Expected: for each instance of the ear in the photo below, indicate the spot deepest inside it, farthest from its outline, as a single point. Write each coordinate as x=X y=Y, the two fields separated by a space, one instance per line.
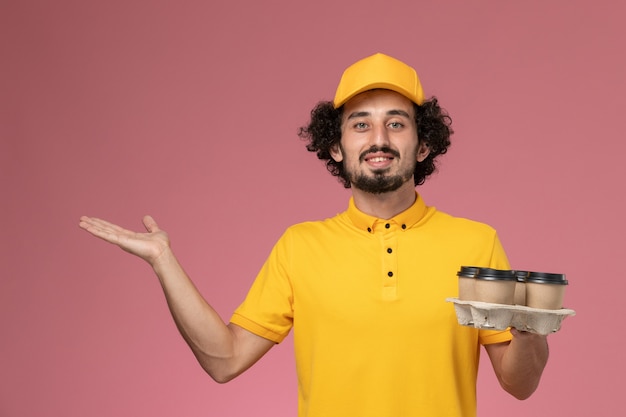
x=422 y=152
x=335 y=152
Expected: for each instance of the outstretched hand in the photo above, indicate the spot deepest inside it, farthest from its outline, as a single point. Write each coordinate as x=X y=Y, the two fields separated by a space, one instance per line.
x=148 y=246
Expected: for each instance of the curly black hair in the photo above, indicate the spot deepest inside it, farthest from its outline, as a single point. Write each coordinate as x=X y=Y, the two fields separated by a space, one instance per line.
x=324 y=131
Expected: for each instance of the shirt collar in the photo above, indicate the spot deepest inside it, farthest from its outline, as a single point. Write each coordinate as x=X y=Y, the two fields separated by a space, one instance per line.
x=406 y=220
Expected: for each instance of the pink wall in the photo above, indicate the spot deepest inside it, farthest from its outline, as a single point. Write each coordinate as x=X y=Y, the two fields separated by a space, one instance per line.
x=188 y=111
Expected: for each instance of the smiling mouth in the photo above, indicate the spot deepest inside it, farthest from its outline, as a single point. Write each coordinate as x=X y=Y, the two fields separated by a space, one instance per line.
x=378 y=159
x=378 y=155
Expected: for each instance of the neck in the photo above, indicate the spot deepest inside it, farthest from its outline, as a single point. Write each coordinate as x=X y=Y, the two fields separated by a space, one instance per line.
x=385 y=205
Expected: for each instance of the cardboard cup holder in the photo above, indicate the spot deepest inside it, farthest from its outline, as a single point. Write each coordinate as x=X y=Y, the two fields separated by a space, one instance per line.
x=502 y=316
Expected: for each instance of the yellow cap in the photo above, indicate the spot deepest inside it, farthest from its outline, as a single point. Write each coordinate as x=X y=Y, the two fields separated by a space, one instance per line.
x=379 y=71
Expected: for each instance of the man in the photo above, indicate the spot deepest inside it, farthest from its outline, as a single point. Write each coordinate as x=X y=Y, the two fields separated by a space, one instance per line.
x=365 y=290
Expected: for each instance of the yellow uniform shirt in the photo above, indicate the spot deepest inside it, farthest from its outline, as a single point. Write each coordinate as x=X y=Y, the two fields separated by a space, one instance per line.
x=373 y=333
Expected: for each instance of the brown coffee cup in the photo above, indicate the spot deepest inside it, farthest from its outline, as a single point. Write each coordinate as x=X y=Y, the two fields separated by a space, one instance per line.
x=545 y=290
x=466 y=282
x=519 y=298
x=495 y=286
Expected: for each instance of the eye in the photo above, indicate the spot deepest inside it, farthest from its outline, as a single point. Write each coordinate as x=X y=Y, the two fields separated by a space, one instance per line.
x=396 y=125
x=360 y=125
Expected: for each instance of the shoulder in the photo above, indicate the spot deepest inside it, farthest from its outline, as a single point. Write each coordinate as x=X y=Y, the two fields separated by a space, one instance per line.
x=444 y=221
x=321 y=224
x=457 y=233
x=325 y=229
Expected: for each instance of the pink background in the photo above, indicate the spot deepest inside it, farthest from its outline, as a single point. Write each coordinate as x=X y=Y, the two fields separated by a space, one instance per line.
x=189 y=111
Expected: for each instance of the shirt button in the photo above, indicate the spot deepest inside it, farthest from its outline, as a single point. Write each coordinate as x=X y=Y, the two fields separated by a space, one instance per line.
x=369 y=229
x=387 y=226
x=389 y=274
x=389 y=250
x=404 y=226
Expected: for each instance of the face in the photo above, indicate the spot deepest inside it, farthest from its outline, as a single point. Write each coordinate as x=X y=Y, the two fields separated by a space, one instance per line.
x=379 y=146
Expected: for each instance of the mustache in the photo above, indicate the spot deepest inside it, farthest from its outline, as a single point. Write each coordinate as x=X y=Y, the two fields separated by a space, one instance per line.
x=383 y=149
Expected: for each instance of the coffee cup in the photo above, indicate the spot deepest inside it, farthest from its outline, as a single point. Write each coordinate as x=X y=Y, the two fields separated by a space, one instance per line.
x=495 y=286
x=545 y=290
x=519 y=298
x=466 y=282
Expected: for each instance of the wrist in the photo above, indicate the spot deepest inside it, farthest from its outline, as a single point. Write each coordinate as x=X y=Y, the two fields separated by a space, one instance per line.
x=163 y=260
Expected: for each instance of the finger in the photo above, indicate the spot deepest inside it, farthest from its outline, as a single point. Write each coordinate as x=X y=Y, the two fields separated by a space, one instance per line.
x=525 y=335
x=105 y=230
x=89 y=223
x=150 y=224
x=99 y=224
x=84 y=220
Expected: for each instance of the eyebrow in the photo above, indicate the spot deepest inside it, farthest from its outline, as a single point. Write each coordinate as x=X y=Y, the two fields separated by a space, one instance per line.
x=389 y=113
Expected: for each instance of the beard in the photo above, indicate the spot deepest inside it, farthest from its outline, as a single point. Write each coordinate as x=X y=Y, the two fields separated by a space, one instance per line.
x=380 y=183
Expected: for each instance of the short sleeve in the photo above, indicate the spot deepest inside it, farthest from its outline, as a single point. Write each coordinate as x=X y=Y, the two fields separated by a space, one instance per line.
x=267 y=310
x=499 y=260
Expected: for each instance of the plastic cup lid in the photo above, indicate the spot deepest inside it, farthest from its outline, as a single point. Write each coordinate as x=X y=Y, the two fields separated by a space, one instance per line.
x=496 y=274
x=468 y=271
x=546 y=277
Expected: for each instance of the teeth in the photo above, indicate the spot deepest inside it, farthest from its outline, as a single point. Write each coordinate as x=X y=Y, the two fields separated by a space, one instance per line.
x=378 y=159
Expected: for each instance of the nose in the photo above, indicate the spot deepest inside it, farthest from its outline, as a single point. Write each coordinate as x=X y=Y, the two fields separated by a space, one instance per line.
x=380 y=135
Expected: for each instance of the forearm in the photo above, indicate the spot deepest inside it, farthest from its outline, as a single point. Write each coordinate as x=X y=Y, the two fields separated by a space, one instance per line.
x=223 y=351
x=522 y=364
x=210 y=339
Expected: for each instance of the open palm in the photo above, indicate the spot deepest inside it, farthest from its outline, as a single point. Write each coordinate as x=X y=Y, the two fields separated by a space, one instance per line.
x=148 y=246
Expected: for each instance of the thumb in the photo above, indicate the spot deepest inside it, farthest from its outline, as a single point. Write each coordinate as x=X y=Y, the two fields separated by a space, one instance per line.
x=150 y=224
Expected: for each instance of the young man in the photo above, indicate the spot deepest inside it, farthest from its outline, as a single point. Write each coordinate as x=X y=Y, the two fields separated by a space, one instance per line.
x=365 y=290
